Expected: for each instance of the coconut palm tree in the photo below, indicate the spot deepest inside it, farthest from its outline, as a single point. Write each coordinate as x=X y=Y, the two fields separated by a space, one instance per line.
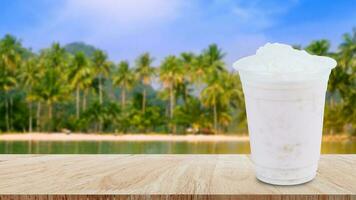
x=102 y=68
x=35 y=78
x=208 y=63
x=211 y=96
x=187 y=62
x=7 y=82
x=222 y=93
x=144 y=71
x=80 y=73
x=344 y=78
x=87 y=83
x=193 y=115
x=213 y=66
x=29 y=76
x=319 y=47
x=233 y=99
x=213 y=59
x=198 y=70
x=53 y=85
x=125 y=79
x=171 y=74
x=10 y=60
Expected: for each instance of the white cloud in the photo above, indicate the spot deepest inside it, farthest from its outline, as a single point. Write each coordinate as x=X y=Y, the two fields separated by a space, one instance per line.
x=103 y=21
x=260 y=14
x=126 y=28
x=125 y=14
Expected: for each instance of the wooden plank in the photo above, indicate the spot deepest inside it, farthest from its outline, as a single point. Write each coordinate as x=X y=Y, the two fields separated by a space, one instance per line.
x=162 y=177
x=177 y=197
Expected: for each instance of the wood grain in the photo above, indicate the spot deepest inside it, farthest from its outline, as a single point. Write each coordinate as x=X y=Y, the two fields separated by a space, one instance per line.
x=163 y=177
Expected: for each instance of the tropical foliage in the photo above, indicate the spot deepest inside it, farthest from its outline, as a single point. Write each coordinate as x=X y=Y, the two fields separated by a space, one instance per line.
x=76 y=87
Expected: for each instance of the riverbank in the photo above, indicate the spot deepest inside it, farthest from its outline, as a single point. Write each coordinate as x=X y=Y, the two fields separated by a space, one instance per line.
x=137 y=137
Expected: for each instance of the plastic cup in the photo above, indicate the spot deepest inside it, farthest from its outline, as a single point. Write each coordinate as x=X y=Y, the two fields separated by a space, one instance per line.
x=285 y=120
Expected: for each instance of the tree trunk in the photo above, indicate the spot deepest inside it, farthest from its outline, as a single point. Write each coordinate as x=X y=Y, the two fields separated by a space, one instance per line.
x=7 y=113
x=167 y=110
x=30 y=113
x=100 y=99
x=100 y=90
x=123 y=98
x=38 y=116
x=30 y=117
x=11 y=113
x=50 y=117
x=78 y=103
x=215 y=119
x=144 y=100
x=85 y=94
x=185 y=94
x=112 y=92
x=171 y=101
x=172 y=105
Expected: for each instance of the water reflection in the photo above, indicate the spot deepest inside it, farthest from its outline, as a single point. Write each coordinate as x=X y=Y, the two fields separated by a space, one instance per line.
x=105 y=147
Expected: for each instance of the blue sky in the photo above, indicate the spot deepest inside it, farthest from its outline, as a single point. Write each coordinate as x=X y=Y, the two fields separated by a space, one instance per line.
x=126 y=28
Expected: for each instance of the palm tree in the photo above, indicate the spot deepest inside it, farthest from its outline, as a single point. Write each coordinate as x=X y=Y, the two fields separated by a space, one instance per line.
x=124 y=78
x=198 y=70
x=171 y=74
x=7 y=82
x=79 y=75
x=102 y=69
x=319 y=47
x=30 y=73
x=222 y=93
x=35 y=97
x=187 y=62
x=34 y=71
x=193 y=115
x=213 y=59
x=10 y=58
x=205 y=64
x=52 y=85
x=211 y=95
x=144 y=71
x=87 y=83
x=233 y=99
x=344 y=77
x=96 y=115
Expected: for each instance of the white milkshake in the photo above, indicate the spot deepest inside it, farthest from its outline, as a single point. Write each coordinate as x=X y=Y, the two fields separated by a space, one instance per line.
x=284 y=93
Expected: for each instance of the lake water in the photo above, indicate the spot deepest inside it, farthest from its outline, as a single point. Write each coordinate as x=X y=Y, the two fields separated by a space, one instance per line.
x=105 y=147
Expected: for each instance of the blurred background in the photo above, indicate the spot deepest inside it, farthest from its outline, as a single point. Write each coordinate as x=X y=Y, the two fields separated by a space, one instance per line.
x=155 y=76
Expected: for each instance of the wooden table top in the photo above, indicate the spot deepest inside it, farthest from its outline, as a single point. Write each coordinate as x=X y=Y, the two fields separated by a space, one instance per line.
x=161 y=175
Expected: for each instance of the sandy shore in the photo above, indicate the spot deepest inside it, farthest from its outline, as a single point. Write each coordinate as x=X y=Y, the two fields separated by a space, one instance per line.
x=137 y=137
x=128 y=137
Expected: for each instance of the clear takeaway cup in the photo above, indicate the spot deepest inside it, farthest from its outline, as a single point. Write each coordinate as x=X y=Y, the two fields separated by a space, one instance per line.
x=285 y=119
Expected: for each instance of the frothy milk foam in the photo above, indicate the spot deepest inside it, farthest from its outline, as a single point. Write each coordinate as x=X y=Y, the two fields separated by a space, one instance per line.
x=284 y=92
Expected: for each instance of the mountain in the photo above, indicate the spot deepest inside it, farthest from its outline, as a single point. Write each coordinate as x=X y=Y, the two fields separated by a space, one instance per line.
x=80 y=46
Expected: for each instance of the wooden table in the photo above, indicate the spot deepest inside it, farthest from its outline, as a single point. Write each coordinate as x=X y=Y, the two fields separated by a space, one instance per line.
x=163 y=177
